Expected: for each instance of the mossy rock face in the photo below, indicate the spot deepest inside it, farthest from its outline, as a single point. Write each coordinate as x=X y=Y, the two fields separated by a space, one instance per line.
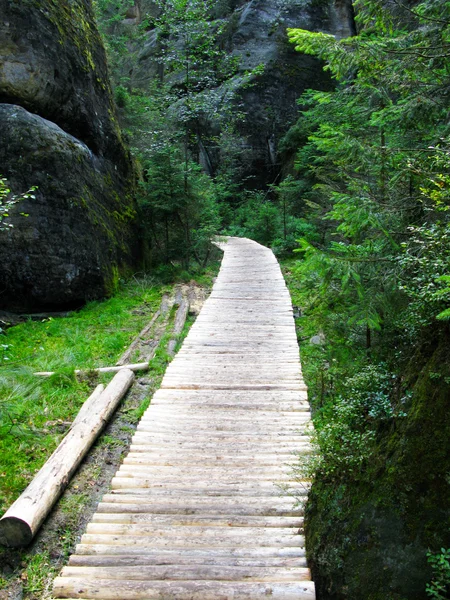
x=52 y=62
x=79 y=231
x=60 y=133
x=255 y=32
x=368 y=537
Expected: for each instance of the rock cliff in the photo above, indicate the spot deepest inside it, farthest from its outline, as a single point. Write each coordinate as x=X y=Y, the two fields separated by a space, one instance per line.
x=60 y=133
x=255 y=33
x=258 y=37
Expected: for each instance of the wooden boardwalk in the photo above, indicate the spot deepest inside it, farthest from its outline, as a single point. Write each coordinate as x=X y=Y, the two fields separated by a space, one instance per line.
x=202 y=507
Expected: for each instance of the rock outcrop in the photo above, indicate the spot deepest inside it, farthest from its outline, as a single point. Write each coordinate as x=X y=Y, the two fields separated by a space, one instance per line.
x=258 y=37
x=60 y=133
x=255 y=32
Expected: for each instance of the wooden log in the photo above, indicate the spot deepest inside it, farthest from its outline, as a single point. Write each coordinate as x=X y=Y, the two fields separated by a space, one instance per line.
x=211 y=505
x=115 y=589
x=88 y=405
x=135 y=343
x=185 y=534
x=223 y=540
x=200 y=519
x=206 y=552
x=197 y=459
x=266 y=472
x=86 y=560
x=180 y=319
x=166 y=489
x=191 y=572
x=136 y=367
x=22 y=520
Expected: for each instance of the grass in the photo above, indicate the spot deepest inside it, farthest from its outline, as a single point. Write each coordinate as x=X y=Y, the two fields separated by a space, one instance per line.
x=35 y=412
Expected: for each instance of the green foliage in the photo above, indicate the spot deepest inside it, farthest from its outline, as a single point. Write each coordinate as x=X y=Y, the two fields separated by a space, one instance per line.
x=37 y=574
x=182 y=113
x=8 y=199
x=376 y=163
x=180 y=208
x=372 y=176
x=346 y=428
x=439 y=587
x=167 y=118
x=425 y=260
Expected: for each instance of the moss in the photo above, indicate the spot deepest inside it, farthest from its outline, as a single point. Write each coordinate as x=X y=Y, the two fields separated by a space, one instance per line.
x=368 y=536
x=75 y=24
x=112 y=281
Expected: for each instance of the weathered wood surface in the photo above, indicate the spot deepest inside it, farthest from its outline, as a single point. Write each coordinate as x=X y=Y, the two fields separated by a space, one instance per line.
x=205 y=505
x=180 y=320
x=114 y=369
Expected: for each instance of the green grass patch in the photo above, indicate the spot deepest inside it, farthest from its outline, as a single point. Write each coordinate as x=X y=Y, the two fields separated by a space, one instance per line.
x=36 y=412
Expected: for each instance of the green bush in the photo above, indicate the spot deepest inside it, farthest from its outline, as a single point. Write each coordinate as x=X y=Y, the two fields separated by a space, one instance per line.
x=439 y=588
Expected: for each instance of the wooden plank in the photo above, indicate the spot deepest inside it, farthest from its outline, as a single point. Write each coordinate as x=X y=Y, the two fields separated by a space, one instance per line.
x=185 y=534
x=118 y=561
x=203 y=520
x=256 y=551
x=187 y=573
x=114 y=589
x=179 y=459
x=194 y=542
x=161 y=488
x=219 y=472
x=221 y=505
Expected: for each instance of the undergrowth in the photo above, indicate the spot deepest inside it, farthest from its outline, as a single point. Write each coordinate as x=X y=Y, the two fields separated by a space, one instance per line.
x=379 y=499
x=34 y=411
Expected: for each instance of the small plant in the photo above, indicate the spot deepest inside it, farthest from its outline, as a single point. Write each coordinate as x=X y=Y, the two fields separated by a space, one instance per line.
x=38 y=574
x=8 y=200
x=439 y=587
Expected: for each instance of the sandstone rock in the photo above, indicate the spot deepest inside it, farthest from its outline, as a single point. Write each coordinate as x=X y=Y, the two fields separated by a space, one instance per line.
x=318 y=340
x=52 y=62
x=77 y=235
x=270 y=104
x=60 y=132
x=255 y=31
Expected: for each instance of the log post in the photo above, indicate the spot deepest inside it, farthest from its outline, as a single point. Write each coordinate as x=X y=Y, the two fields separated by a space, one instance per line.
x=143 y=366
x=180 y=319
x=23 y=519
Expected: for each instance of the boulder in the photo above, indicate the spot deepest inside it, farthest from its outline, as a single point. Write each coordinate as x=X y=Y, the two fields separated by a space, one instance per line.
x=60 y=133
x=77 y=235
x=271 y=102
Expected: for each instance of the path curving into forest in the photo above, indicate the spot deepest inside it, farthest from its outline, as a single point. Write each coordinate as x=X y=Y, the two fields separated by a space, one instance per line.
x=203 y=506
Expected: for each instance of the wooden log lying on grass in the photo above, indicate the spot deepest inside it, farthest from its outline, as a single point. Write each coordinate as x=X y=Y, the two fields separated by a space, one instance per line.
x=136 y=367
x=180 y=320
x=135 y=343
x=88 y=406
x=139 y=339
x=22 y=520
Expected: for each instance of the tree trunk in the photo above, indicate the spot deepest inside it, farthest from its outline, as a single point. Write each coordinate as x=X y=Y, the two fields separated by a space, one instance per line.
x=21 y=522
x=180 y=319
